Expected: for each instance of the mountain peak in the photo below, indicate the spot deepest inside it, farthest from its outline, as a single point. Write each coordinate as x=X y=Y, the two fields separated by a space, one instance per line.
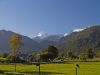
x=41 y=35
x=65 y=34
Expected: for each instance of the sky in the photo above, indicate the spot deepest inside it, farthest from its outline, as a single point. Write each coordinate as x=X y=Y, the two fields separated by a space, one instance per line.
x=29 y=17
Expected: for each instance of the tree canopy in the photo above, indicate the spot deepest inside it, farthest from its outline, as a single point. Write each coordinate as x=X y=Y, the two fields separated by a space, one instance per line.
x=49 y=54
x=15 y=43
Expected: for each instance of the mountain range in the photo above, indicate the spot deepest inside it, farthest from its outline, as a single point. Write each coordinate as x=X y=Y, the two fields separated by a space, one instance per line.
x=77 y=40
x=30 y=44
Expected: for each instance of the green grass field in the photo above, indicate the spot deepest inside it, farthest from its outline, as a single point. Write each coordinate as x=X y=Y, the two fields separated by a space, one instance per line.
x=86 y=68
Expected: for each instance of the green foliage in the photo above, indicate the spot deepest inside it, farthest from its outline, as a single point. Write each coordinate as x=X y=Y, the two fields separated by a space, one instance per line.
x=3 y=60
x=90 y=54
x=83 y=57
x=11 y=59
x=70 y=54
x=15 y=43
x=5 y=55
x=49 y=54
x=35 y=57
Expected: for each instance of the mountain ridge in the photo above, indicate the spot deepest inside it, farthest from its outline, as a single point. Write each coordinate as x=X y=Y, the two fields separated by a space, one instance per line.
x=87 y=38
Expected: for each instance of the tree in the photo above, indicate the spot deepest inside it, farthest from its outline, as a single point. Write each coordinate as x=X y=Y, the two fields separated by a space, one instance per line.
x=11 y=59
x=33 y=57
x=90 y=53
x=15 y=43
x=49 y=54
x=4 y=55
x=70 y=54
x=53 y=51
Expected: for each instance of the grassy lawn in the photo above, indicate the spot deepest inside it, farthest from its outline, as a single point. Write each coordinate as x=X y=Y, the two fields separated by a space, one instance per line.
x=86 y=68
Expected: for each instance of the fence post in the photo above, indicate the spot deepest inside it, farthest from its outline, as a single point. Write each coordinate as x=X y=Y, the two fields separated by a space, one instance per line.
x=39 y=69
x=77 y=66
x=76 y=70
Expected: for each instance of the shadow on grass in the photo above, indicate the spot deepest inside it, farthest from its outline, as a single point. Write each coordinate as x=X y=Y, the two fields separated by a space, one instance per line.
x=5 y=72
x=43 y=73
x=12 y=74
x=2 y=71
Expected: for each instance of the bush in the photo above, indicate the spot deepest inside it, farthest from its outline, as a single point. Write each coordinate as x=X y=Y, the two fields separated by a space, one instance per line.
x=13 y=59
x=3 y=60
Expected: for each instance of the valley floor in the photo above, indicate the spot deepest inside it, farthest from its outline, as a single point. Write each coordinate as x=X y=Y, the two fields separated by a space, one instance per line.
x=86 y=68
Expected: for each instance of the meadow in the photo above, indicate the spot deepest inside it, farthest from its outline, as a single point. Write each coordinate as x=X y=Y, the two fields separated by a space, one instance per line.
x=86 y=68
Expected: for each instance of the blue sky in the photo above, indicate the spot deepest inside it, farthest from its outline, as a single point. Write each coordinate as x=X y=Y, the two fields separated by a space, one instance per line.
x=29 y=17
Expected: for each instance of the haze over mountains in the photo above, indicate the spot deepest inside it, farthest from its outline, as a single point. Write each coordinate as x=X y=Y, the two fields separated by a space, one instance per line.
x=78 y=39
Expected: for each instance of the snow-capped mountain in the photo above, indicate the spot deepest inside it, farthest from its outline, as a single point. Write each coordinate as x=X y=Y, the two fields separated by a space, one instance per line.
x=41 y=35
x=78 y=30
x=66 y=34
x=44 y=36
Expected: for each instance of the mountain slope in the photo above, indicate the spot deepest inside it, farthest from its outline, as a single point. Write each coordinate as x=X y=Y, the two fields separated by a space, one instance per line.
x=87 y=38
x=29 y=44
x=48 y=40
